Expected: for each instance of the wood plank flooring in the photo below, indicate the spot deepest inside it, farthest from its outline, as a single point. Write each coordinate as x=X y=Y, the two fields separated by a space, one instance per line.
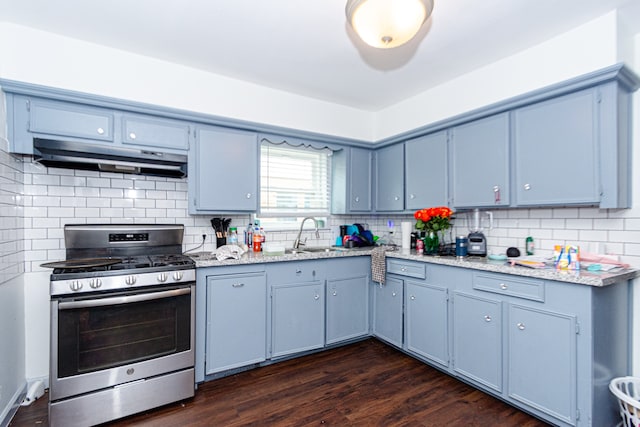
x=363 y=384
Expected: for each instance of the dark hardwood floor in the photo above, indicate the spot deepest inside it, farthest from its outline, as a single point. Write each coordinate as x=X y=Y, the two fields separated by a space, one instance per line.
x=363 y=384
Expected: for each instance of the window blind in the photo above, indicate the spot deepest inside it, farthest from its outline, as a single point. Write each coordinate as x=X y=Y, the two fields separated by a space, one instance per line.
x=294 y=181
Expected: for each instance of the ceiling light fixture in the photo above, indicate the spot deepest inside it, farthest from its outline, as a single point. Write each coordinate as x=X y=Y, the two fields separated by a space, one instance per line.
x=387 y=23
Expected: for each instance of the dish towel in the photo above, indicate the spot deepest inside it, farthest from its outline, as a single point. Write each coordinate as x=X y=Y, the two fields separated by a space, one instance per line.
x=378 y=264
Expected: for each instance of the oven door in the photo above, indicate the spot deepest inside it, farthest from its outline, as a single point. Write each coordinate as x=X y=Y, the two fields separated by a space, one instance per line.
x=115 y=338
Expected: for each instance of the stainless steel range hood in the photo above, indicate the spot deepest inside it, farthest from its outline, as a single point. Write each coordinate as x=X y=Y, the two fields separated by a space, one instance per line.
x=79 y=155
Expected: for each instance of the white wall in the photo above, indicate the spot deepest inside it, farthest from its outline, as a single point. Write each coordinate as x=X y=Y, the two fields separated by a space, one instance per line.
x=12 y=328
x=48 y=59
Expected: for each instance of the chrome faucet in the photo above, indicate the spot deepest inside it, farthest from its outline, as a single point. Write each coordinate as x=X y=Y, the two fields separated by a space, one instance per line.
x=297 y=242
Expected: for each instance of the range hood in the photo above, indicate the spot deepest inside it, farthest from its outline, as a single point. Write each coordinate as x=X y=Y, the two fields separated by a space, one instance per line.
x=79 y=155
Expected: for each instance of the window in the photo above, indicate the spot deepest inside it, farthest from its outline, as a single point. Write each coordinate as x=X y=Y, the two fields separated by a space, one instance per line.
x=294 y=183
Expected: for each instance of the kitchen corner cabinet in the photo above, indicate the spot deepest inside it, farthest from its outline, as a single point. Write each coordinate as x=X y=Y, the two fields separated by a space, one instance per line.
x=389 y=167
x=427 y=171
x=223 y=171
x=297 y=291
x=236 y=321
x=480 y=162
x=347 y=298
x=577 y=139
x=351 y=190
x=477 y=339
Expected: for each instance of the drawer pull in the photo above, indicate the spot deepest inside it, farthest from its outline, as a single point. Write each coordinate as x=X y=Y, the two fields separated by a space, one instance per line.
x=487 y=318
x=393 y=294
x=403 y=269
x=132 y=135
x=237 y=285
x=503 y=286
x=100 y=131
x=520 y=326
x=298 y=271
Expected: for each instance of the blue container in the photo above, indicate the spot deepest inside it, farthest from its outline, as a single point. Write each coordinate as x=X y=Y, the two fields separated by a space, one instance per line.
x=461 y=246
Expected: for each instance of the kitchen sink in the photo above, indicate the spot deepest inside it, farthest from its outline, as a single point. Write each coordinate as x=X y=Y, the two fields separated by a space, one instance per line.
x=311 y=250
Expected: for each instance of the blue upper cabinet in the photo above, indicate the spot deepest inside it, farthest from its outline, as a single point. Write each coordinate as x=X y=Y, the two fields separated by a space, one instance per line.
x=426 y=171
x=390 y=178
x=32 y=117
x=351 y=188
x=67 y=119
x=480 y=162
x=223 y=171
x=555 y=145
x=155 y=132
x=572 y=150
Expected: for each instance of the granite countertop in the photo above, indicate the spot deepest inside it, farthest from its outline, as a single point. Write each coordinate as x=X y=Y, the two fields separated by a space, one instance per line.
x=599 y=278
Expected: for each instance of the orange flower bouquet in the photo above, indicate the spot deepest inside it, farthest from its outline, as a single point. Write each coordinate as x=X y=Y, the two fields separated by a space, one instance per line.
x=435 y=219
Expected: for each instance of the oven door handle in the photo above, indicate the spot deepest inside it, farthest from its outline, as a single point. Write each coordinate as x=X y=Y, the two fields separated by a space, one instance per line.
x=68 y=305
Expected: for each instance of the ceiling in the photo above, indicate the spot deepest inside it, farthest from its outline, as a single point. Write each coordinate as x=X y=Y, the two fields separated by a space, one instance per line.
x=307 y=47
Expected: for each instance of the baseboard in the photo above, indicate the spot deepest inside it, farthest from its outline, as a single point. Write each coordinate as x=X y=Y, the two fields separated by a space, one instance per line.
x=7 y=414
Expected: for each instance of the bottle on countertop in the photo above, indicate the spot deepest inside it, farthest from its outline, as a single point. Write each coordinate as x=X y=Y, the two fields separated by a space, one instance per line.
x=233 y=236
x=248 y=236
x=529 y=247
x=257 y=240
x=263 y=236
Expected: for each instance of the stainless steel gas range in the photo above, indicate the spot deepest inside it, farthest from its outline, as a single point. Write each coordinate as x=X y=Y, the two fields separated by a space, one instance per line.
x=122 y=323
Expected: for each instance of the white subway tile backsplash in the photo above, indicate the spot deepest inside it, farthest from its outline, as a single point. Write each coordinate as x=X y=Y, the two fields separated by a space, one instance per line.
x=76 y=202
x=565 y=236
x=144 y=203
x=111 y=192
x=97 y=182
x=566 y=213
x=87 y=192
x=579 y=224
x=112 y=213
x=97 y=202
x=609 y=224
x=84 y=213
x=122 y=183
x=121 y=203
x=61 y=191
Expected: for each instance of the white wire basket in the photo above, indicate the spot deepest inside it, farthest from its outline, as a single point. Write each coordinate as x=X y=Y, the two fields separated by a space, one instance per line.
x=627 y=390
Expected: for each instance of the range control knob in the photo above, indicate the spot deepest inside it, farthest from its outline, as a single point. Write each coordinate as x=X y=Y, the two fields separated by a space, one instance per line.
x=177 y=276
x=130 y=280
x=95 y=283
x=75 y=285
x=162 y=277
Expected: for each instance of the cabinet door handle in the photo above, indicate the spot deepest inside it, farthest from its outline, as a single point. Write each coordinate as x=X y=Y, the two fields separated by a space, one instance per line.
x=487 y=318
x=396 y=198
x=237 y=285
x=100 y=131
x=503 y=286
x=393 y=294
x=248 y=195
x=316 y=297
x=412 y=196
x=298 y=271
x=496 y=194
x=520 y=326
x=357 y=199
x=413 y=297
x=527 y=187
x=403 y=269
x=132 y=135
x=335 y=293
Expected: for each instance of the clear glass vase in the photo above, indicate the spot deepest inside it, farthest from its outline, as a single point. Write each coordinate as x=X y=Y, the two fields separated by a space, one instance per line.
x=431 y=243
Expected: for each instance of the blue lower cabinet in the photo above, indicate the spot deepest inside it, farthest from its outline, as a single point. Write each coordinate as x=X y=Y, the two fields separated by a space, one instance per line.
x=297 y=318
x=236 y=321
x=347 y=308
x=477 y=339
x=543 y=361
x=426 y=321
x=387 y=311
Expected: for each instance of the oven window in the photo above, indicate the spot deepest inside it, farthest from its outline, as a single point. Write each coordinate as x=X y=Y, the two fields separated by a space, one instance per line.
x=96 y=338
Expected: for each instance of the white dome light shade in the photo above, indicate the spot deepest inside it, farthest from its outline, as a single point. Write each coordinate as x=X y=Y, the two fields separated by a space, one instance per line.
x=387 y=23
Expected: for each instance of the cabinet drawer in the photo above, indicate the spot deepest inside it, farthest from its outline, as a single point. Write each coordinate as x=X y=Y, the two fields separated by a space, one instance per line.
x=510 y=285
x=57 y=118
x=154 y=132
x=407 y=268
x=294 y=272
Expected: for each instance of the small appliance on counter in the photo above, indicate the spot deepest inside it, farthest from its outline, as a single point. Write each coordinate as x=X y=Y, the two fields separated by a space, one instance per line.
x=477 y=221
